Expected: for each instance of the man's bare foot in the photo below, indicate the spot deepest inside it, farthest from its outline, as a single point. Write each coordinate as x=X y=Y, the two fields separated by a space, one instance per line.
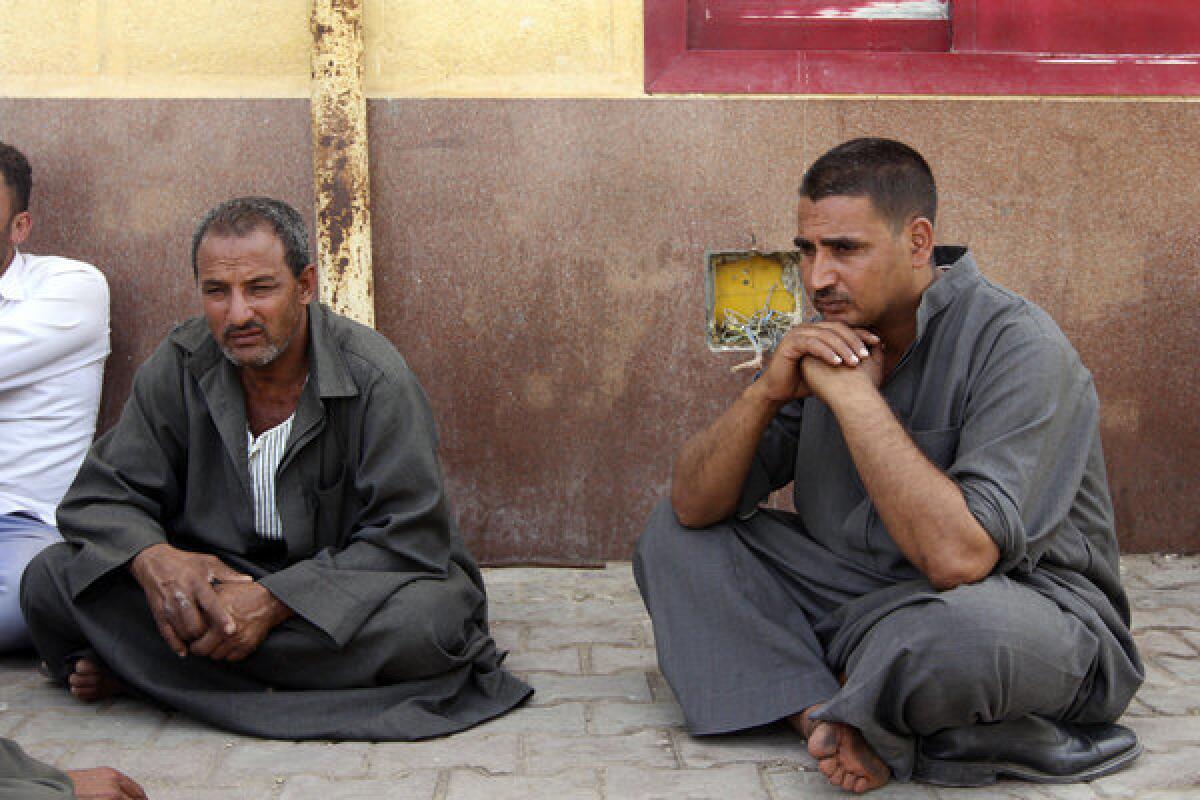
x=845 y=758
x=91 y=681
x=842 y=754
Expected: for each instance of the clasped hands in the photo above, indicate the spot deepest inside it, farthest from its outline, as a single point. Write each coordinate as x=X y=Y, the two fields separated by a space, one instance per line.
x=821 y=359
x=203 y=606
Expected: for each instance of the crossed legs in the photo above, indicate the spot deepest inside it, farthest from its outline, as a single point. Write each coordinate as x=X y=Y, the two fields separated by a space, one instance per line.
x=747 y=637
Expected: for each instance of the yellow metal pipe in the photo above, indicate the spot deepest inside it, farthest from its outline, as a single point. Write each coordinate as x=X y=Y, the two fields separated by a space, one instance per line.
x=343 y=189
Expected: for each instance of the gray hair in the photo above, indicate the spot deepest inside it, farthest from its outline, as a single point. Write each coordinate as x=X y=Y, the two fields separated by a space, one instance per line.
x=243 y=215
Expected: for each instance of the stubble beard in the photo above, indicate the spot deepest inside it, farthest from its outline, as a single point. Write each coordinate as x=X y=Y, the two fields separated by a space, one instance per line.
x=269 y=352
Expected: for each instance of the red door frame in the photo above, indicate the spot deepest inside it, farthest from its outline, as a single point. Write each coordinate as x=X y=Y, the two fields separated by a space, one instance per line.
x=671 y=66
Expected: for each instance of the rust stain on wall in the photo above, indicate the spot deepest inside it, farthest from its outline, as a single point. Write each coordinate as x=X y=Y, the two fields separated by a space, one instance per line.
x=566 y=356
x=541 y=267
x=340 y=163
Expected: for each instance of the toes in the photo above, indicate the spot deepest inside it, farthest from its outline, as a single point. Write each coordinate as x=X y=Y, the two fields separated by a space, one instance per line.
x=850 y=781
x=862 y=760
x=90 y=681
x=84 y=692
x=861 y=785
x=822 y=740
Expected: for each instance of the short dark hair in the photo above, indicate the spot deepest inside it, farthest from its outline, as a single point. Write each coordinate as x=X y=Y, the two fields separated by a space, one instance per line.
x=17 y=174
x=895 y=176
x=243 y=215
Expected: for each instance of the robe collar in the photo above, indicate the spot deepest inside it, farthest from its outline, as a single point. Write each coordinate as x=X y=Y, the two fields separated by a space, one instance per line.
x=328 y=372
x=956 y=271
x=329 y=378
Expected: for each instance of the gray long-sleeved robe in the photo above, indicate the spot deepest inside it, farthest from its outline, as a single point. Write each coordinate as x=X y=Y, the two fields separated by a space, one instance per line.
x=757 y=617
x=390 y=640
x=25 y=778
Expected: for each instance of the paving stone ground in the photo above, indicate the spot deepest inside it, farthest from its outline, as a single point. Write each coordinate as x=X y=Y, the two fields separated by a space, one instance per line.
x=602 y=726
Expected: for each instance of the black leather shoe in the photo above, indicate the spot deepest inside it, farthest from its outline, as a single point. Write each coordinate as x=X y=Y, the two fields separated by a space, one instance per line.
x=1029 y=749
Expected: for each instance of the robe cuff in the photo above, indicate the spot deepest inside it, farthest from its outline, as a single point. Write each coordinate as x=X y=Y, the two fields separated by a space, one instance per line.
x=323 y=603
x=94 y=561
x=756 y=488
x=1004 y=528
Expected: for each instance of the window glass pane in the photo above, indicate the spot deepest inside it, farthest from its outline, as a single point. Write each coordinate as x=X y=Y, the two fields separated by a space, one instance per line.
x=882 y=25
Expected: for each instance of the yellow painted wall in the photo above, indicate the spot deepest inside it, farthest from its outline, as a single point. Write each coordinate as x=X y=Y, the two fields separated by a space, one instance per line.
x=239 y=48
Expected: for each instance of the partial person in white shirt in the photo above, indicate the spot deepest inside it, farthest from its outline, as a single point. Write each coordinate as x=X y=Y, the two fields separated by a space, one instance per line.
x=53 y=344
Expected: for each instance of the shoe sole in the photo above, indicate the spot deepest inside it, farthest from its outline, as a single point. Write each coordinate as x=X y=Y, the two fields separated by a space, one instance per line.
x=968 y=773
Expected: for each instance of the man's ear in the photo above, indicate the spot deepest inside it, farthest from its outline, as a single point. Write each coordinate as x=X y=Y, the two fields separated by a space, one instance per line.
x=920 y=241
x=19 y=230
x=308 y=283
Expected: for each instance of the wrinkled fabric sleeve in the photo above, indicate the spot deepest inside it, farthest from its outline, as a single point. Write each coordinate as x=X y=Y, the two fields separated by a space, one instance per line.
x=65 y=319
x=774 y=464
x=1028 y=430
x=26 y=778
x=403 y=533
x=130 y=478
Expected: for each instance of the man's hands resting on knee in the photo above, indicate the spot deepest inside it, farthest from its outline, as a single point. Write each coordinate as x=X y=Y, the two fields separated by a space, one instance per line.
x=202 y=605
x=254 y=610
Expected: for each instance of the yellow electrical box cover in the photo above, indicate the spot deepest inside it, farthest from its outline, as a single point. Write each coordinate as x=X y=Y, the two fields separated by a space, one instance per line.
x=750 y=285
x=746 y=286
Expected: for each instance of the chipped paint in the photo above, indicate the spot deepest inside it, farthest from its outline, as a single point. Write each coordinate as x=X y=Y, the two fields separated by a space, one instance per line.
x=1117 y=59
x=874 y=9
x=903 y=9
x=340 y=169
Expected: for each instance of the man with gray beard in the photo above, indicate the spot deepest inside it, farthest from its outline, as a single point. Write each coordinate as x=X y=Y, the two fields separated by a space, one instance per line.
x=263 y=540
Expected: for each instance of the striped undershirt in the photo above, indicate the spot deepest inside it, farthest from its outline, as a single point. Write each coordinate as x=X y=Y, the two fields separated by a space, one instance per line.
x=264 y=454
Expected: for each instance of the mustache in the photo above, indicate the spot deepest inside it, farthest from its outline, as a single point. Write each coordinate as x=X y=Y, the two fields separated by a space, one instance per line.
x=830 y=295
x=249 y=327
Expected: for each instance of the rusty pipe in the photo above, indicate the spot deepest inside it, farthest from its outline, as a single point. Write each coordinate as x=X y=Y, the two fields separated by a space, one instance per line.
x=340 y=164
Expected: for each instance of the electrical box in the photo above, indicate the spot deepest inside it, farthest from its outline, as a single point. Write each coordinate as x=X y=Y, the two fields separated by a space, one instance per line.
x=752 y=298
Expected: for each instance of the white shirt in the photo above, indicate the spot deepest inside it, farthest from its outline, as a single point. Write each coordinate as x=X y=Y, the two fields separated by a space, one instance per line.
x=53 y=344
x=263 y=455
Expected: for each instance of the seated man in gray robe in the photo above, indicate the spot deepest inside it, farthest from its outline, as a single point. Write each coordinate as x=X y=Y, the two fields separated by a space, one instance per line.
x=945 y=601
x=263 y=540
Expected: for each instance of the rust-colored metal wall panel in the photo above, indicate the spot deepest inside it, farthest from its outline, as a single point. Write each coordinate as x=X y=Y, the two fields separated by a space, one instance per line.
x=122 y=184
x=540 y=263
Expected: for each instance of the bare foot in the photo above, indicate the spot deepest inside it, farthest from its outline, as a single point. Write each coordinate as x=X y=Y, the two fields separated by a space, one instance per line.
x=91 y=681
x=842 y=754
x=845 y=758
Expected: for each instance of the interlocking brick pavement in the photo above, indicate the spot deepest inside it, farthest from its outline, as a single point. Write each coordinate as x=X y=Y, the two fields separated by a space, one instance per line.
x=603 y=725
